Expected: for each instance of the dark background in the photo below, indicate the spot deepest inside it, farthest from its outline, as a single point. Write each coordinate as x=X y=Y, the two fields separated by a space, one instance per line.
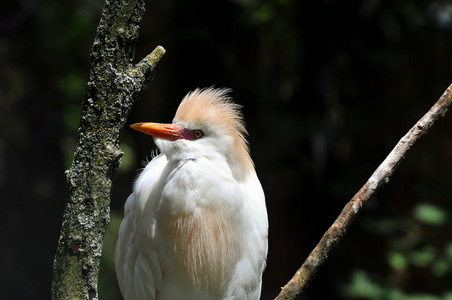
x=328 y=88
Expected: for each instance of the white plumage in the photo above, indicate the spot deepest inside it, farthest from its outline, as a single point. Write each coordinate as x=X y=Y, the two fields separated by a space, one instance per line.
x=195 y=226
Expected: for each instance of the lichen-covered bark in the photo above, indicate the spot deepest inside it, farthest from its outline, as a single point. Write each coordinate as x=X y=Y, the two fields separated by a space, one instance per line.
x=114 y=84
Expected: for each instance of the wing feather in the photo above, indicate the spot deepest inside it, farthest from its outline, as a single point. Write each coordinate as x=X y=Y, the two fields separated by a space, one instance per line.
x=137 y=266
x=247 y=277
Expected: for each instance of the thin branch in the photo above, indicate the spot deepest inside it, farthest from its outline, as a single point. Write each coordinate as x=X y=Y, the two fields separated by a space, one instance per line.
x=304 y=276
x=143 y=71
x=147 y=64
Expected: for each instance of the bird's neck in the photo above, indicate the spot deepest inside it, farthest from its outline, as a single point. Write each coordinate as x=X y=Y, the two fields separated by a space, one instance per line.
x=240 y=160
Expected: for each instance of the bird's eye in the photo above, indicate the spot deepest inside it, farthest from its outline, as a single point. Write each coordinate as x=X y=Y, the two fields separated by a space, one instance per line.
x=197 y=134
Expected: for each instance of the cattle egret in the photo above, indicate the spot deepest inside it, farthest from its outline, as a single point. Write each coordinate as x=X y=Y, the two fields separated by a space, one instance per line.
x=195 y=226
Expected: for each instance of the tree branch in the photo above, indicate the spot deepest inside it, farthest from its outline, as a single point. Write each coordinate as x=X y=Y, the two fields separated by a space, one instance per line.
x=317 y=258
x=114 y=85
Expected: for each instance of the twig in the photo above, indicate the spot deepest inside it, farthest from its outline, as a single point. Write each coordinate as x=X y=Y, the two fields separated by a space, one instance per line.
x=304 y=276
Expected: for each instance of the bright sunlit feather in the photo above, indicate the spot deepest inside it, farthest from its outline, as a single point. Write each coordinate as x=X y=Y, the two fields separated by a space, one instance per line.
x=195 y=226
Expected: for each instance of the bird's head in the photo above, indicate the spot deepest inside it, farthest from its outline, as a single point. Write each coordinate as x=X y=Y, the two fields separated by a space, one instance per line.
x=207 y=124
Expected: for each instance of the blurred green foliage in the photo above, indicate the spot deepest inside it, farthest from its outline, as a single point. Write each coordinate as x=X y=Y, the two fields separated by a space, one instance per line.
x=363 y=287
x=430 y=214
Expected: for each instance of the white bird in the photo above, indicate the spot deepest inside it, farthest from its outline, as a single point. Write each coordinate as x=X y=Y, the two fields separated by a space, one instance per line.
x=195 y=226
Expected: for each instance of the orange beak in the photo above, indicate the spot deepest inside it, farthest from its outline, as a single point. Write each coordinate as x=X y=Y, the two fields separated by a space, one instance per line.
x=169 y=132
